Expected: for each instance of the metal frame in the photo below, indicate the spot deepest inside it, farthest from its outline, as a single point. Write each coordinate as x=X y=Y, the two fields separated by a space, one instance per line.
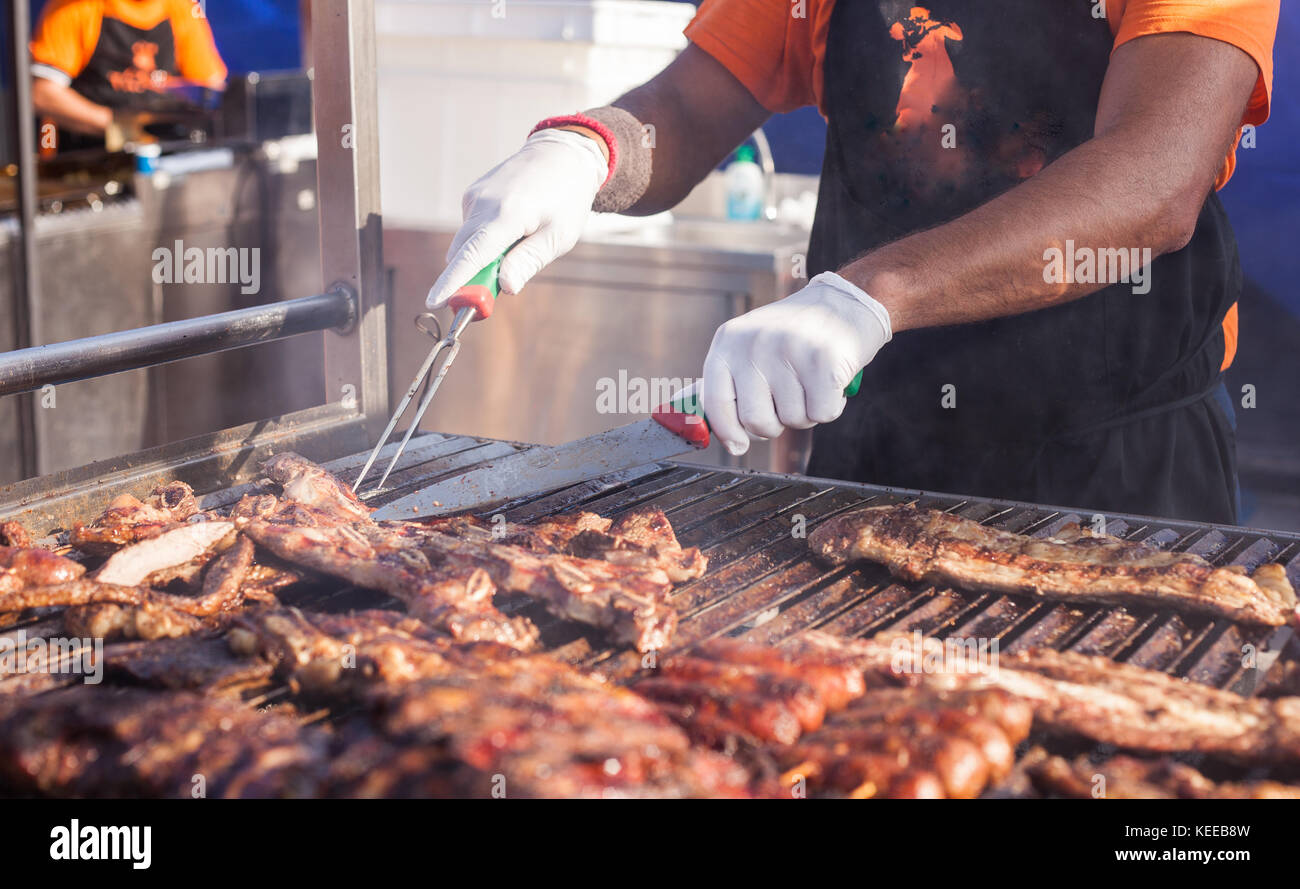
x=352 y=311
x=28 y=284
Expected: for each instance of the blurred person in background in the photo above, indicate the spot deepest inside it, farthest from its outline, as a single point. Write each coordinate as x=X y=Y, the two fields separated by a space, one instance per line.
x=983 y=162
x=102 y=68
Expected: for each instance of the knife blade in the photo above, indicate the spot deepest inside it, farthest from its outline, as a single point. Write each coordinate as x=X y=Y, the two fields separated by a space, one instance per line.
x=674 y=429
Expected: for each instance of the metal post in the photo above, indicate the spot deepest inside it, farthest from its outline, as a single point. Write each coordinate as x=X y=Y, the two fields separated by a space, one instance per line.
x=27 y=283
x=345 y=104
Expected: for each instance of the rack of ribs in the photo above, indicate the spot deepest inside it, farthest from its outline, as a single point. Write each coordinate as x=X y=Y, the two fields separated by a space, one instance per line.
x=1090 y=696
x=1127 y=777
x=1075 y=565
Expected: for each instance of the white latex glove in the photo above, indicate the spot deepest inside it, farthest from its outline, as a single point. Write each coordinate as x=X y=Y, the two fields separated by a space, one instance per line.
x=542 y=194
x=785 y=365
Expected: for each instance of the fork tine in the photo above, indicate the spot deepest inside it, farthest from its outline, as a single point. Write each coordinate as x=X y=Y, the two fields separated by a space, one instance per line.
x=420 y=410
x=401 y=409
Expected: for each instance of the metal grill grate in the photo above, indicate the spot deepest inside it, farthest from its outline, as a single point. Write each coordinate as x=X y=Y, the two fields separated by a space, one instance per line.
x=763 y=583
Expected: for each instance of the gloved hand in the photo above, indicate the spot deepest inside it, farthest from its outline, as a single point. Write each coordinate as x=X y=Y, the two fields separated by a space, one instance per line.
x=542 y=194
x=786 y=364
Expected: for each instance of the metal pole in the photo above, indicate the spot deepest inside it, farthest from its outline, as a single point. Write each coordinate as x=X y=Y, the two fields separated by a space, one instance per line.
x=27 y=282
x=26 y=370
x=345 y=105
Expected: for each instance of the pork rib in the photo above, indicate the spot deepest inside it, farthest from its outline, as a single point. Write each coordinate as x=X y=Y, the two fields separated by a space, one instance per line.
x=1092 y=697
x=127 y=519
x=925 y=544
x=1127 y=777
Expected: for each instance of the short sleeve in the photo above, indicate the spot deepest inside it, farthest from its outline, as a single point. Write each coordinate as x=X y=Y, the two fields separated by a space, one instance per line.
x=1249 y=25
x=768 y=46
x=197 y=58
x=63 y=39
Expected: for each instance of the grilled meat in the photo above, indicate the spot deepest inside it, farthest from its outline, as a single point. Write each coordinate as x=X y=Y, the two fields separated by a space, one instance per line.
x=1094 y=697
x=342 y=655
x=533 y=726
x=373 y=556
x=728 y=691
x=177 y=554
x=199 y=663
x=629 y=603
x=642 y=538
x=15 y=535
x=306 y=483
x=910 y=742
x=923 y=544
x=87 y=740
x=223 y=582
x=1127 y=777
x=22 y=567
x=127 y=519
x=145 y=620
x=836 y=684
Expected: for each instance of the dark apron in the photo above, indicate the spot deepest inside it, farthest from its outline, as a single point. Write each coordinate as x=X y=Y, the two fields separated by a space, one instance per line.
x=1107 y=402
x=126 y=69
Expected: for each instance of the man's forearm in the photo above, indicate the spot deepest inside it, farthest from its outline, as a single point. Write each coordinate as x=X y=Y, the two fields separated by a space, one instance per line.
x=990 y=262
x=68 y=108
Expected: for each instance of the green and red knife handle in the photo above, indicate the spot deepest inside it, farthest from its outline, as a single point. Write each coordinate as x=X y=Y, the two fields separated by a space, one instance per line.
x=684 y=416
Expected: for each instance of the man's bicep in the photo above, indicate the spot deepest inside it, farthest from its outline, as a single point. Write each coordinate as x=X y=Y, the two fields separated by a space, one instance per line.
x=699 y=111
x=1178 y=92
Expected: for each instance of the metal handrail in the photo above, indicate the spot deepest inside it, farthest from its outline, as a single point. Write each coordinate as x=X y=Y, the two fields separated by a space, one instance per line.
x=27 y=370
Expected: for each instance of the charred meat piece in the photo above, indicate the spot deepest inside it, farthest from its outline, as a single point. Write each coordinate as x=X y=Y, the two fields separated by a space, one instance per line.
x=145 y=620
x=836 y=683
x=92 y=741
x=176 y=554
x=199 y=663
x=550 y=535
x=311 y=485
x=1094 y=697
x=22 y=567
x=924 y=544
x=800 y=698
x=1127 y=777
x=223 y=582
x=127 y=520
x=374 y=556
x=342 y=654
x=765 y=717
x=549 y=731
x=15 y=535
x=641 y=538
x=629 y=603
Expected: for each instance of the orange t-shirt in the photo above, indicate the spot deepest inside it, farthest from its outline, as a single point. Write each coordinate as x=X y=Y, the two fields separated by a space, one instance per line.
x=69 y=30
x=779 y=54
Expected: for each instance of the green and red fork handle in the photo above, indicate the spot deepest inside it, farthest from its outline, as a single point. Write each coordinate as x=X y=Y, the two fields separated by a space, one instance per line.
x=472 y=302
